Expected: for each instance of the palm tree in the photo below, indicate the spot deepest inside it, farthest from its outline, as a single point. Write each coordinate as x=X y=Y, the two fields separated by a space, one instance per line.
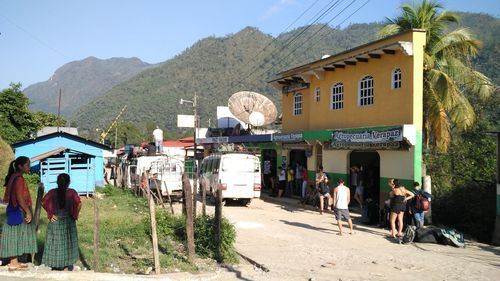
x=448 y=72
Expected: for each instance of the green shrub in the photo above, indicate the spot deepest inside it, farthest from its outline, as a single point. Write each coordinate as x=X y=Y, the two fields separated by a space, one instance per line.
x=468 y=208
x=173 y=226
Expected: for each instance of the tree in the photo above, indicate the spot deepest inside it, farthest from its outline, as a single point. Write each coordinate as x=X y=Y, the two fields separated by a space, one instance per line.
x=448 y=72
x=45 y=119
x=128 y=133
x=18 y=123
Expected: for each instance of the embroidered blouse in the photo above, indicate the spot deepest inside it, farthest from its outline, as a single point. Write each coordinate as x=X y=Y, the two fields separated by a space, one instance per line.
x=72 y=206
x=17 y=182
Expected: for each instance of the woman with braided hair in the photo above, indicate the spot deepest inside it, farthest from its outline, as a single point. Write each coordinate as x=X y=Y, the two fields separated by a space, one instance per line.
x=18 y=232
x=63 y=207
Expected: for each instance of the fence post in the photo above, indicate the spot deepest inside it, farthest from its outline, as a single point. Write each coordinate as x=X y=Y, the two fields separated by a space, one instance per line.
x=186 y=186
x=217 y=224
x=203 y=198
x=152 y=214
x=96 y=234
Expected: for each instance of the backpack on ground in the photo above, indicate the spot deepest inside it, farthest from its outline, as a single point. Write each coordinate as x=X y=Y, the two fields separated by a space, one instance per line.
x=408 y=234
x=422 y=203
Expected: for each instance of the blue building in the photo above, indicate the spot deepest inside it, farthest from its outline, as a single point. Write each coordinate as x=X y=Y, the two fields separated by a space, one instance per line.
x=61 y=152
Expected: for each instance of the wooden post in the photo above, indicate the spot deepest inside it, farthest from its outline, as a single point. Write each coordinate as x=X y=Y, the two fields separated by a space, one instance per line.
x=203 y=198
x=152 y=214
x=186 y=186
x=96 y=235
x=158 y=190
x=217 y=223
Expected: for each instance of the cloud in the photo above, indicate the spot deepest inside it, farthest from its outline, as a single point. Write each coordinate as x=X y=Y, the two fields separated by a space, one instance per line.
x=276 y=8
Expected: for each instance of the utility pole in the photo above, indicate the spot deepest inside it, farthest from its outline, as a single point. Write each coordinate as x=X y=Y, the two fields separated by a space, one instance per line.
x=59 y=109
x=195 y=161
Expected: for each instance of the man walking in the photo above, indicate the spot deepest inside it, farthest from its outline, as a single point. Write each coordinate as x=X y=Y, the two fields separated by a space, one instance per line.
x=341 y=199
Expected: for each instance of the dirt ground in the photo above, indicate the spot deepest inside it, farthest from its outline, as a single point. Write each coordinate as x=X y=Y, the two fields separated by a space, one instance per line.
x=283 y=241
x=298 y=244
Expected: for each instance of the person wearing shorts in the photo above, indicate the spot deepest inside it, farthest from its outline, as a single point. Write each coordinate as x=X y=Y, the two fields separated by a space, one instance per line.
x=341 y=198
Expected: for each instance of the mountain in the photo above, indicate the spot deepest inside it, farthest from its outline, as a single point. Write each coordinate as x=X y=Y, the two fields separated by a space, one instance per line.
x=81 y=82
x=215 y=68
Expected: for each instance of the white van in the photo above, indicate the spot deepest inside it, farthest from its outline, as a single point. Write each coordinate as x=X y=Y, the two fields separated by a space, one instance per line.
x=236 y=174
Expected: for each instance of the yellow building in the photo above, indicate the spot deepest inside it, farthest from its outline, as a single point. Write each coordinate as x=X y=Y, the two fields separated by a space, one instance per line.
x=361 y=107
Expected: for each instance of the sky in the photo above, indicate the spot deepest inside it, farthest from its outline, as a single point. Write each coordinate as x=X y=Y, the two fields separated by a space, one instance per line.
x=39 y=36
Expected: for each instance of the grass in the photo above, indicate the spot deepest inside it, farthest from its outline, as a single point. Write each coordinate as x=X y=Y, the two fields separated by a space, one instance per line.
x=125 y=245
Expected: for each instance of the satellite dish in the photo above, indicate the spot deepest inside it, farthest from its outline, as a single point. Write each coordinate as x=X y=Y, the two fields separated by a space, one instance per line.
x=252 y=108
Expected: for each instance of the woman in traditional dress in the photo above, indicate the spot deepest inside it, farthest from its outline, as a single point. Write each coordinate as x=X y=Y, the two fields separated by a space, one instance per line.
x=18 y=232
x=61 y=243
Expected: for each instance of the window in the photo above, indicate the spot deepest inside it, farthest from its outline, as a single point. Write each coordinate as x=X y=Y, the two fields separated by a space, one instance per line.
x=396 y=78
x=317 y=94
x=297 y=104
x=366 y=91
x=337 y=98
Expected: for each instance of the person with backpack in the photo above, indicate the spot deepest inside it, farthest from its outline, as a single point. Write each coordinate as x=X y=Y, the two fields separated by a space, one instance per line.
x=18 y=233
x=420 y=205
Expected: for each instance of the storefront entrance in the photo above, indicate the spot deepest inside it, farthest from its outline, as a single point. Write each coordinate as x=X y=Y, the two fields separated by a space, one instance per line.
x=367 y=166
x=297 y=156
x=269 y=167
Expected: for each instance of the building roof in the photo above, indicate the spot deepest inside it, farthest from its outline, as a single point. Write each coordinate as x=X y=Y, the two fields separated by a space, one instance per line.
x=176 y=144
x=50 y=130
x=53 y=152
x=340 y=60
x=61 y=134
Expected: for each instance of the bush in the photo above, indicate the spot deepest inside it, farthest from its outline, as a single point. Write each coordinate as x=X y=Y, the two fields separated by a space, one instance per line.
x=169 y=225
x=468 y=208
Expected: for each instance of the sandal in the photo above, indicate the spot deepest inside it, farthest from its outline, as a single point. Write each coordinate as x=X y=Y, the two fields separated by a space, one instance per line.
x=16 y=268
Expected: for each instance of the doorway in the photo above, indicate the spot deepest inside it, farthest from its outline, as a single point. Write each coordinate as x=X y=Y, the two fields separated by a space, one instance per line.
x=297 y=156
x=368 y=164
x=269 y=167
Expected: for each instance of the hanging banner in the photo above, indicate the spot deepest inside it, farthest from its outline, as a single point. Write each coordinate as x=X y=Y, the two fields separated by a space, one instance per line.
x=368 y=136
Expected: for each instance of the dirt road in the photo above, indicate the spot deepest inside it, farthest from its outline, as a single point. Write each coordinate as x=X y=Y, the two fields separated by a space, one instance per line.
x=298 y=244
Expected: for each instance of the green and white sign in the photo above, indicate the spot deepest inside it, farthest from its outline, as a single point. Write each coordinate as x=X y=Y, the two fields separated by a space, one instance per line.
x=367 y=136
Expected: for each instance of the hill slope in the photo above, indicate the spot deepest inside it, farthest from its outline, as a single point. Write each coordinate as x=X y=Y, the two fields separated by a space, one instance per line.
x=215 y=68
x=81 y=82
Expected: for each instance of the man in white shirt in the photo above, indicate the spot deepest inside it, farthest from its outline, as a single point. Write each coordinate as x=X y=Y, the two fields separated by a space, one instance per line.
x=158 y=138
x=341 y=199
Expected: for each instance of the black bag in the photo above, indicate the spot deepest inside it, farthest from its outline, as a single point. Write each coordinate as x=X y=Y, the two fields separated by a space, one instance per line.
x=408 y=234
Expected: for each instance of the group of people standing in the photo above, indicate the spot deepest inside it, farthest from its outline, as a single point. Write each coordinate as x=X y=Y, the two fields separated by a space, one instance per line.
x=19 y=230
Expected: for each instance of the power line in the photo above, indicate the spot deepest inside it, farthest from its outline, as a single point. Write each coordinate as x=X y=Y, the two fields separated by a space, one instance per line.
x=317 y=17
x=35 y=37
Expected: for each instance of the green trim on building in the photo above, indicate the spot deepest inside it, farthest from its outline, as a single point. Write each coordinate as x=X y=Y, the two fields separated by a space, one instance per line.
x=311 y=175
x=498 y=203
x=384 y=184
x=323 y=135
x=333 y=177
x=417 y=159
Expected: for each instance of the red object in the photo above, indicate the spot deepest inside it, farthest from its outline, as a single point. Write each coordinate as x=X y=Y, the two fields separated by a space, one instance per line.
x=256 y=187
x=305 y=175
x=20 y=187
x=223 y=186
x=49 y=203
x=422 y=202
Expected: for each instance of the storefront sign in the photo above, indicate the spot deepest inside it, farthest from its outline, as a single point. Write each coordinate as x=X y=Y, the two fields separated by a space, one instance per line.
x=293 y=137
x=370 y=136
x=296 y=146
x=213 y=140
x=394 y=145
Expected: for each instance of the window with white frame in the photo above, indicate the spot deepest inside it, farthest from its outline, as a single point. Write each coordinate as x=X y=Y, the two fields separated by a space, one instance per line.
x=396 y=78
x=366 y=91
x=297 y=104
x=337 y=97
x=317 y=94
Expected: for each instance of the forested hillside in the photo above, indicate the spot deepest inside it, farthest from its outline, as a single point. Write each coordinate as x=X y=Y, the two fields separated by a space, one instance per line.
x=81 y=82
x=215 y=68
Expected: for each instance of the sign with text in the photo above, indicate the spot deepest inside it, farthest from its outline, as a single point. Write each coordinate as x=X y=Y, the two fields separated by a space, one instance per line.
x=292 y=137
x=367 y=136
x=213 y=140
x=185 y=121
